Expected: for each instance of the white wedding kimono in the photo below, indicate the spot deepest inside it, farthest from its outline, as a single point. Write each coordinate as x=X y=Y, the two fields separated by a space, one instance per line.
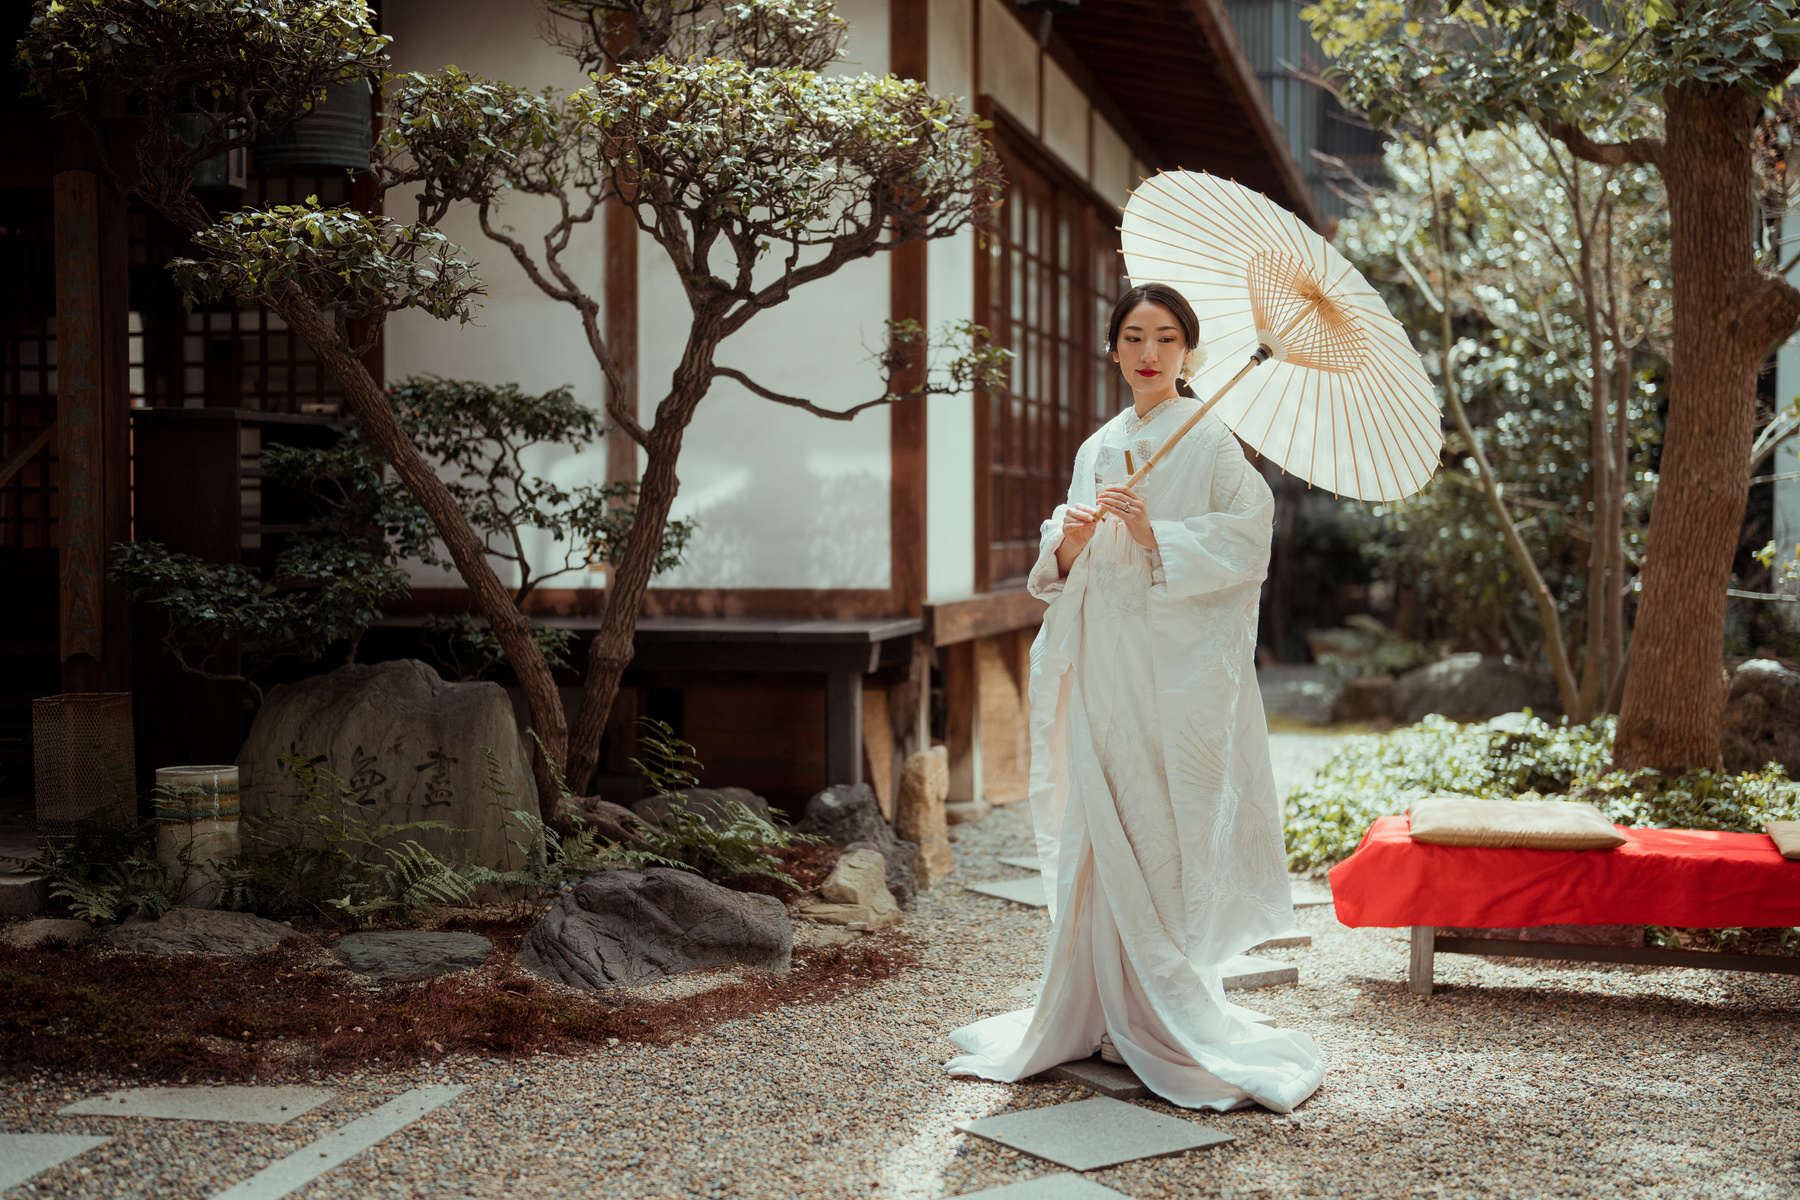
x=1157 y=823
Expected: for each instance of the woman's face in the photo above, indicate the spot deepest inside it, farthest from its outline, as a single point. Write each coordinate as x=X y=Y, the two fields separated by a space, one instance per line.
x=1149 y=350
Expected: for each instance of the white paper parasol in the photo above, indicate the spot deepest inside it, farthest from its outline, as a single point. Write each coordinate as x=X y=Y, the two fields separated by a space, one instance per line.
x=1342 y=401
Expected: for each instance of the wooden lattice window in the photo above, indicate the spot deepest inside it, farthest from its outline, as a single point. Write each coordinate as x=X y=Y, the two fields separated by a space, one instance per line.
x=222 y=356
x=27 y=366
x=1048 y=283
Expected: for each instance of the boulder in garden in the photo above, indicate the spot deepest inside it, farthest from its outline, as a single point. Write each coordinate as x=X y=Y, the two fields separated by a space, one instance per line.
x=856 y=893
x=919 y=815
x=407 y=745
x=1762 y=718
x=1471 y=687
x=610 y=822
x=845 y=814
x=629 y=928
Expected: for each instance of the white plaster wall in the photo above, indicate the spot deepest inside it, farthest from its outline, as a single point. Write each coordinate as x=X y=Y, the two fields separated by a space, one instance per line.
x=950 y=296
x=1065 y=119
x=1112 y=163
x=519 y=335
x=1009 y=63
x=784 y=499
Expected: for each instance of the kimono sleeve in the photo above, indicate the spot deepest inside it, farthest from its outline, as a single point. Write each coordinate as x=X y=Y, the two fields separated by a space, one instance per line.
x=1045 y=581
x=1224 y=547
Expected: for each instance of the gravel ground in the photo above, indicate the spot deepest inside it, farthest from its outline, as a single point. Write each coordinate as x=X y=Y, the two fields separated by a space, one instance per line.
x=1517 y=1079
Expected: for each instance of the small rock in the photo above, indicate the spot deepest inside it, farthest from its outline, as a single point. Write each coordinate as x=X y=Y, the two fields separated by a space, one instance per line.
x=27 y=934
x=627 y=928
x=1471 y=687
x=966 y=812
x=201 y=931
x=847 y=815
x=856 y=893
x=1367 y=698
x=919 y=816
x=819 y=936
x=411 y=953
x=1762 y=718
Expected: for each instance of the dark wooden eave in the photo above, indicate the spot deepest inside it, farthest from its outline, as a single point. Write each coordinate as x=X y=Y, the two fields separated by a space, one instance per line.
x=1176 y=72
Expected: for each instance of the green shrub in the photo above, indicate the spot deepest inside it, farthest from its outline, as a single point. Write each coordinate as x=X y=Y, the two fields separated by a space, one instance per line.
x=1380 y=775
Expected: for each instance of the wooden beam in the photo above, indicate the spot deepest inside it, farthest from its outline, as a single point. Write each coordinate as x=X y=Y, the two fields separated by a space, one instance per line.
x=909 y=38
x=962 y=720
x=984 y=616
x=81 y=419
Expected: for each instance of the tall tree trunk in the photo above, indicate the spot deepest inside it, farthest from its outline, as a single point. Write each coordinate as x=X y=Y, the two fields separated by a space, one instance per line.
x=1599 y=473
x=1727 y=315
x=611 y=650
x=492 y=599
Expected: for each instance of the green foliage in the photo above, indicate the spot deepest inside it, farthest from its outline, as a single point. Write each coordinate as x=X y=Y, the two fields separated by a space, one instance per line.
x=467 y=648
x=483 y=436
x=324 y=857
x=352 y=265
x=1522 y=366
x=1366 y=647
x=1381 y=775
x=733 y=848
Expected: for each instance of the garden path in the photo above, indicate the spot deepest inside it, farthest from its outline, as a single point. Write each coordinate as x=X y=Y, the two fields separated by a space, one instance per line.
x=1516 y=1079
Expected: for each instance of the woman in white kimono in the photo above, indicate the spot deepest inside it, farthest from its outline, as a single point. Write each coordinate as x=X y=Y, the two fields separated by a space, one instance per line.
x=1157 y=824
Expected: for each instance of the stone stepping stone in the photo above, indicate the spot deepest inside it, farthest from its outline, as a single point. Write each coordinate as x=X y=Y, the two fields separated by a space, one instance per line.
x=1090 y=1134
x=1308 y=894
x=287 y=1175
x=1023 y=862
x=1097 y=1075
x=1242 y=973
x=1063 y=1186
x=1028 y=891
x=411 y=954
x=1285 y=941
x=23 y=1155
x=248 y=1105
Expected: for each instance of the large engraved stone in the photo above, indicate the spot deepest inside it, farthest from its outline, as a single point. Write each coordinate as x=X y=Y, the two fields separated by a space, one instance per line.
x=407 y=745
x=628 y=928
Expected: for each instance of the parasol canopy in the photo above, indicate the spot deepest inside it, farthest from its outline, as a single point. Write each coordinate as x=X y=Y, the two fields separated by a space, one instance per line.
x=1339 y=396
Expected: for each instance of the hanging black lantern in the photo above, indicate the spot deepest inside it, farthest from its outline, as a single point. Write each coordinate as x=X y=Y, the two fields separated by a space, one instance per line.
x=1048 y=10
x=335 y=136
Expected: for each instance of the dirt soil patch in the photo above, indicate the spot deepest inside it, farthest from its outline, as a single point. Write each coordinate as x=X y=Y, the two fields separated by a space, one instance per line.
x=295 y=1010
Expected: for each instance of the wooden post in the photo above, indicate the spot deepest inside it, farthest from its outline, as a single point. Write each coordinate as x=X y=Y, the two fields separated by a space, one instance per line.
x=962 y=721
x=92 y=429
x=1419 y=968
x=843 y=727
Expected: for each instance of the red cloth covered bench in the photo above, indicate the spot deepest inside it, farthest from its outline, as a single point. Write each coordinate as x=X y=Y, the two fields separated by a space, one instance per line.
x=1683 y=877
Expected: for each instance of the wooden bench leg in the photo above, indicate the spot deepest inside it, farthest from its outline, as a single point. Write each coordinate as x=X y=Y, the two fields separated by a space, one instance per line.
x=1419 y=970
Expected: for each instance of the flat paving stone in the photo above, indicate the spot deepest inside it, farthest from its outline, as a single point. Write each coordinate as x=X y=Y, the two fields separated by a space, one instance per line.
x=249 y=1105
x=1090 y=1134
x=1064 y=1186
x=1243 y=973
x=1308 y=894
x=287 y=1175
x=1097 y=1075
x=23 y=1155
x=410 y=954
x=1029 y=891
x=1021 y=861
x=1285 y=941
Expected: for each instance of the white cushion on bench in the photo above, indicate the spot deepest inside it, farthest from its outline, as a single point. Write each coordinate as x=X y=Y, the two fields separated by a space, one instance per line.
x=1503 y=824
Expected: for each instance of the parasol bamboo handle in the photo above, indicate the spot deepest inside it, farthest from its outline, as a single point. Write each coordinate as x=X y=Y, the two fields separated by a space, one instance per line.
x=1261 y=356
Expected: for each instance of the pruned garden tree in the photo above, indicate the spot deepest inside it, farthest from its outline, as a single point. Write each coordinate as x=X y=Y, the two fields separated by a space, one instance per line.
x=755 y=172
x=1533 y=281
x=1681 y=85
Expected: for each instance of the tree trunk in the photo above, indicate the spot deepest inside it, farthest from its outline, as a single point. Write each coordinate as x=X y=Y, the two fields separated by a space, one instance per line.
x=610 y=653
x=1599 y=473
x=1727 y=315
x=492 y=599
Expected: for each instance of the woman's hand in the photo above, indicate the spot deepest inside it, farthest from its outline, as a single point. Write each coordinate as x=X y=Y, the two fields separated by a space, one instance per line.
x=1129 y=507
x=1079 y=523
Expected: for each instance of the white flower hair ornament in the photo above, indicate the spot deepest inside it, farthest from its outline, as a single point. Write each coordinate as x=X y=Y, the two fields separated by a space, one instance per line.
x=1194 y=362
